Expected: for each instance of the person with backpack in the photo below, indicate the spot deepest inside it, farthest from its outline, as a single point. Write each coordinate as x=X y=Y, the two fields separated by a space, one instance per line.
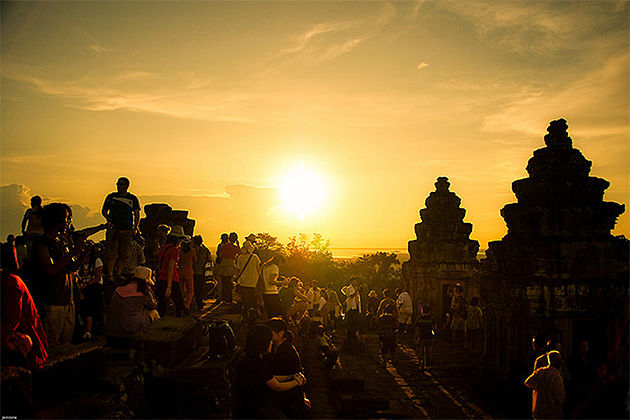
x=248 y=269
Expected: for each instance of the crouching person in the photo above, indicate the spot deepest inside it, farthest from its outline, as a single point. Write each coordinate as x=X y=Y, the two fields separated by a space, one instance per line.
x=133 y=307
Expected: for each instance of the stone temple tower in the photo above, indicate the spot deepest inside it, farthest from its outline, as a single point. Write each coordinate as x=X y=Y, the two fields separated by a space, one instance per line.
x=442 y=255
x=558 y=271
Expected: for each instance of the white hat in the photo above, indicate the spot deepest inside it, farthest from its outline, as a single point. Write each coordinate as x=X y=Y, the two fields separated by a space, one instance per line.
x=141 y=272
x=178 y=232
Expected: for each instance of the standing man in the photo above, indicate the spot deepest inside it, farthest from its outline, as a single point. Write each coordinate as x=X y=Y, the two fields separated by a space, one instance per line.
x=121 y=209
x=203 y=257
x=548 y=386
x=270 y=275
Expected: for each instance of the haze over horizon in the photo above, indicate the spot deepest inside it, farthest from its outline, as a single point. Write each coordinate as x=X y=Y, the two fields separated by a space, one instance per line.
x=215 y=107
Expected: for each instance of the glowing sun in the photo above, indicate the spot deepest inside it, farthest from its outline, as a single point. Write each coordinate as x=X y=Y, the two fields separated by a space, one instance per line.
x=302 y=192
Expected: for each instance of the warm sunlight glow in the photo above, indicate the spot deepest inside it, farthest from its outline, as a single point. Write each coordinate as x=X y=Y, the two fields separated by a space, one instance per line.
x=302 y=192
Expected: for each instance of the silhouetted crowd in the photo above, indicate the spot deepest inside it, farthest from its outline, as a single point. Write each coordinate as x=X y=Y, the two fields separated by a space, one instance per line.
x=59 y=287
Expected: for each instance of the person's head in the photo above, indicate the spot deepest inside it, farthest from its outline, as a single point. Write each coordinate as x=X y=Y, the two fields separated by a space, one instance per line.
x=258 y=340
x=20 y=240
x=323 y=293
x=55 y=218
x=224 y=237
x=583 y=347
x=458 y=289
x=555 y=359
x=173 y=240
x=388 y=309
x=387 y=293
x=398 y=291
x=122 y=185
x=279 y=331
x=186 y=243
x=554 y=344
x=36 y=201
x=233 y=237
x=372 y=294
x=474 y=301
x=163 y=230
x=251 y=238
x=248 y=247
x=10 y=238
x=539 y=341
x=197 y=240
x=142 y=276
x=426 y=309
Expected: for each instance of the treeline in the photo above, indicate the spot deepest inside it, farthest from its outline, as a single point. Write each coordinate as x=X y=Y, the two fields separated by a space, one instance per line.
x=309 y=258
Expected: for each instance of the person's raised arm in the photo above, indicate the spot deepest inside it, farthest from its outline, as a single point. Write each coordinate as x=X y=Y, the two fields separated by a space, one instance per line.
x=24 y=220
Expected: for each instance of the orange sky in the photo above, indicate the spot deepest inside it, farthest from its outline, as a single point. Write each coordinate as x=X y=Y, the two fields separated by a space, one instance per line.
x=208 y=106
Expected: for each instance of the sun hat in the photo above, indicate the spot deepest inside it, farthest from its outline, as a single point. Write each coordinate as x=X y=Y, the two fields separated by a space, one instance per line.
x=142 y=272
x=178 y=232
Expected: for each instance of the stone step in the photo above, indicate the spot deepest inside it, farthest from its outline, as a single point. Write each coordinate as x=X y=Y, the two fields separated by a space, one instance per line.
x=162 y=345
x=17 y=392
x=69 y=371
x=344 y=382
x=360 y=406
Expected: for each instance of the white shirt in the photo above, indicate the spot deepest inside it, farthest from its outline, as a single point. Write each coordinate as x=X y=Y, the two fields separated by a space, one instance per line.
x=270 y=272
x=404 y=302
x=352 y=302
x=249 y=276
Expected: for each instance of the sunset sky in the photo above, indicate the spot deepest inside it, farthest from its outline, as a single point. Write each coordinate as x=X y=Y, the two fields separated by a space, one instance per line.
x=218 y=107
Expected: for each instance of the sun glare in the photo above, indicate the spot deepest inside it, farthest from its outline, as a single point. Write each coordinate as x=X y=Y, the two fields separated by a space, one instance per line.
x=302 y=192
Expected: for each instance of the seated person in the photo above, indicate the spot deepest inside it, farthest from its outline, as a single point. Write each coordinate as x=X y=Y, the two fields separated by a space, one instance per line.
x=255 y=384
x=284 y=362
x=133 y=307
x=23 y=338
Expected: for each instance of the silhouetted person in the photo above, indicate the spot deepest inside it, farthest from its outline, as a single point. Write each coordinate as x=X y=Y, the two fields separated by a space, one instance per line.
x=32 y=221
x=9 y=254
x=202 y=258
x=53 y=265
x=225 y=269
x=168 y=285
x=121 y=209
x=24 y=341
x=387 y=326
x=548 y=385
x=425 y=335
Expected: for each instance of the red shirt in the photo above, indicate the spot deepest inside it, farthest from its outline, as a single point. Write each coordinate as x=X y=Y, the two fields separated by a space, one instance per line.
x=20 y=315
x=167 y=253
x=229 y=250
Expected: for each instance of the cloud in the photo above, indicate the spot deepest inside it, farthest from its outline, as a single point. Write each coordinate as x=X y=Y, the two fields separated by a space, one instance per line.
x=15 y=199
x=598 y=90
x=422 y=65
x=541 y=28
x=98 y=49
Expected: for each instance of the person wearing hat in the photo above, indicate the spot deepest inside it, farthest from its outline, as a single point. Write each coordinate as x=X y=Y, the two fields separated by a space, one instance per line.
x=168 y=278
x=225 y=269
x=133 y=307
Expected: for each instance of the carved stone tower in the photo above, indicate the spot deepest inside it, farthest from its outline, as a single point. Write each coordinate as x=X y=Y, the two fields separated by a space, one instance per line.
x=558 y=271
x=442 y=255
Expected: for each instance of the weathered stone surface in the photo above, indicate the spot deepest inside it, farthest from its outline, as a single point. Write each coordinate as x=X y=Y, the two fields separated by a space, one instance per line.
x=558 y=271
x=442 y=254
